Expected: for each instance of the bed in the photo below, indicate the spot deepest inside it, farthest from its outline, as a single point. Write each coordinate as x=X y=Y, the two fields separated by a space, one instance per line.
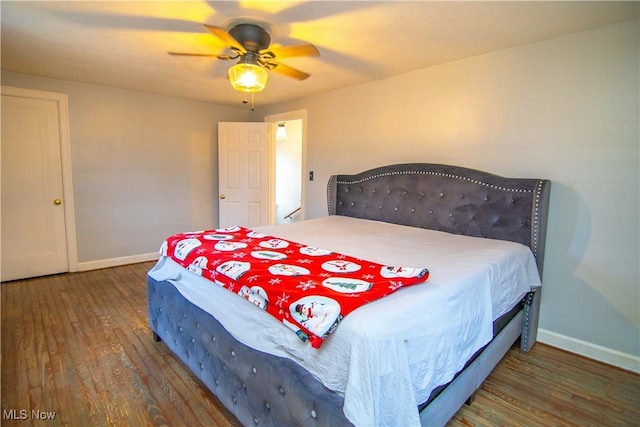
x=395 y=361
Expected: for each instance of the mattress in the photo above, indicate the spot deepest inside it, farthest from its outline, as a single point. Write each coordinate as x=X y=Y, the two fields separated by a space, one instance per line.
x=388 y=356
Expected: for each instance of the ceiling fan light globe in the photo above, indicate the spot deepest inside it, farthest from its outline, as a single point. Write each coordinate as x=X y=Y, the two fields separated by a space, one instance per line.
x=248 y=77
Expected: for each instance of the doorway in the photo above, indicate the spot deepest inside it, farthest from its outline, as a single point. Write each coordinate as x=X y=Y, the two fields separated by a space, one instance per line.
x=289 y=164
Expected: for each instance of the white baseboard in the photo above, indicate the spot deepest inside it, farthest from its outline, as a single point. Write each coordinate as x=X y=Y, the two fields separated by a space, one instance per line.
x=115 y=262
x=606 y=355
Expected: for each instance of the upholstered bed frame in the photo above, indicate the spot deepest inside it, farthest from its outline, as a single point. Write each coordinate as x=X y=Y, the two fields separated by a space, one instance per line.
x=262 y=389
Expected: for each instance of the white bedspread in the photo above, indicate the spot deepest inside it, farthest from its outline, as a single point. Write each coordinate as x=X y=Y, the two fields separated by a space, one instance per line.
x=386 y=357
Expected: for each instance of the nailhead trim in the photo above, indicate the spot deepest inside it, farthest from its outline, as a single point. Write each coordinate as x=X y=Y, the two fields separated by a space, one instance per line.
x=535 y=232
x=446 y=175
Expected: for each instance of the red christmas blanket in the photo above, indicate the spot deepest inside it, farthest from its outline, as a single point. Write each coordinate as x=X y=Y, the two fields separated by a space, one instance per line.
x=308 y=289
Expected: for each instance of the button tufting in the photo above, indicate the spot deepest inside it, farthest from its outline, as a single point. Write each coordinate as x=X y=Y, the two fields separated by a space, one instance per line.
x=255 y=420
x=267 y=405
x=313 y=413
x=254 y=370
x=281 y=390
x=441 y=194
x=217 y=382
x=233 y=353
x=430 y=212
x=235 y=399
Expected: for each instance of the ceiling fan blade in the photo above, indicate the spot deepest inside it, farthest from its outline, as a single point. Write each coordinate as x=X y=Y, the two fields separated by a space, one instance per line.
x=190 y=54
x=210 y=55
x=292 y=51
x=285 y=70
x=227 y=38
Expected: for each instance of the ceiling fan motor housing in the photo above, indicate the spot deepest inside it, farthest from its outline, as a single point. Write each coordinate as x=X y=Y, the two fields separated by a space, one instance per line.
x=253 y=37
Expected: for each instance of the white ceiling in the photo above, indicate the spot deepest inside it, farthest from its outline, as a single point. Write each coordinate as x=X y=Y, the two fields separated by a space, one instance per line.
x=125 y=44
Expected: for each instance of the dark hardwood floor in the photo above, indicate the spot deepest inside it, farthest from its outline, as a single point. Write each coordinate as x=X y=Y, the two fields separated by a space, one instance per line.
x=77 y=351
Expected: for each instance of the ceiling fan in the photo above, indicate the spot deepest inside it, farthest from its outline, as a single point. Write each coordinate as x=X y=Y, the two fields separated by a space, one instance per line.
x=251 y=43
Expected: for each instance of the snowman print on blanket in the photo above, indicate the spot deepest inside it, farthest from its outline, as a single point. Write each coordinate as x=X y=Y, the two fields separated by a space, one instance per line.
x=227 y=246
x=217 y=236
x=255 y=234
x=313 y=251
x=340 y=266
x=318 y=314
x=184 y=248
x=274 y=244
x=255 y=295
x=232 y=229
x=198 y=264
x=233 y=269
x=270 y=255
x=405 y=272
x=288 y=270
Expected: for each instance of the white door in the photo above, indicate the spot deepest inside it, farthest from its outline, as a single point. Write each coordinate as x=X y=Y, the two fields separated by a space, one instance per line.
x=32 y=215
x=243 y=174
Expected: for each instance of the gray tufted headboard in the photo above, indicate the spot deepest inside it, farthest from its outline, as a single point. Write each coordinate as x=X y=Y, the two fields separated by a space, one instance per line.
x=447 y=198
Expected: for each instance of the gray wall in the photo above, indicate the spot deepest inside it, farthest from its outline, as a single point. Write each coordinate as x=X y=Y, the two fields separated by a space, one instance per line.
x=144 y=166
x=564 y=109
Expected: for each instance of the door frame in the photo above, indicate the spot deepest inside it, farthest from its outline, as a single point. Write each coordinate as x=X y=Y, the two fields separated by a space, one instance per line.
x=62 y=101
x=273 y=119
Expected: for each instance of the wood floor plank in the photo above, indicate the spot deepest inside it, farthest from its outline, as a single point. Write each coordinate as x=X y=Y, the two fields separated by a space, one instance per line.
x=80 y=345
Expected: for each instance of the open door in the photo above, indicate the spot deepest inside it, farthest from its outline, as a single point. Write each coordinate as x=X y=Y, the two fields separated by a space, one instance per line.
x=243 y=174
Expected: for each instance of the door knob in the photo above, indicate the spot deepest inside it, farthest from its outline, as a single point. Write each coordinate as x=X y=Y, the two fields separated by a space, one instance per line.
x=222 y=196
x=57 y=202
